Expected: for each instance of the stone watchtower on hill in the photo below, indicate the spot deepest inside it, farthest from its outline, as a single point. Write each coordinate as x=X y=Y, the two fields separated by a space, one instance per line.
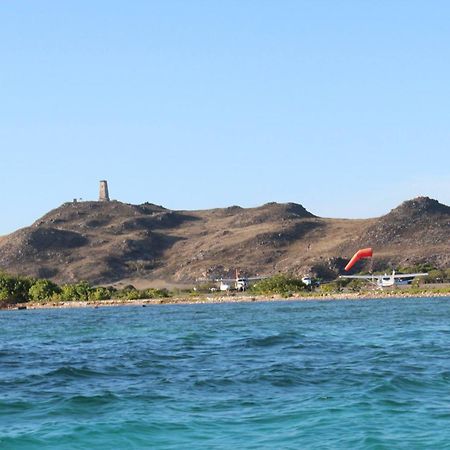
x=103 y=195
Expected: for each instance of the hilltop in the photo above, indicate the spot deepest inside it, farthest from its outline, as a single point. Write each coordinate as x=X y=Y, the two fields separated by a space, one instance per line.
x=110 y=242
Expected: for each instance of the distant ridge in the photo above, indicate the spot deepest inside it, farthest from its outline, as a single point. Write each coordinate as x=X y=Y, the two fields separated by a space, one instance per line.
x=420 y=206
x=421 y=220
x=109 y=242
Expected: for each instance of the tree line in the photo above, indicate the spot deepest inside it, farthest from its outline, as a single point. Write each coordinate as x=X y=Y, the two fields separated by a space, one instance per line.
x=17 y=289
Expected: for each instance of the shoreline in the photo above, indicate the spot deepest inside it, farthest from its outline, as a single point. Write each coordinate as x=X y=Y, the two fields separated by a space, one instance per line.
x=205 y=299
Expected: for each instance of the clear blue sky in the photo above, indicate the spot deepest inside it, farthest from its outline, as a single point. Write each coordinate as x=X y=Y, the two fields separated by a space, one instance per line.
x=342 y=106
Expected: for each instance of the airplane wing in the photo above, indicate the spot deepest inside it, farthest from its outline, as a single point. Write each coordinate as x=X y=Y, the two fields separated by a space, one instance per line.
x=371 y=277
x=410 y=275
x=358 y=277
x=241 y=278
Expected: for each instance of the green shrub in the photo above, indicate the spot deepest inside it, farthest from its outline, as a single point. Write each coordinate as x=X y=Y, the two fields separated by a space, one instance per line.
x=14 y=289
x=329 y=288
x=436 y=276
x=76 y=292
x=100 y=293
x=43 y=290
x=155 y=293
x=278 y=284
x=132 y=294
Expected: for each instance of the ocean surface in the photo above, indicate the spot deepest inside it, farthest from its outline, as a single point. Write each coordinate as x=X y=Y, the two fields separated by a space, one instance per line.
x=357 y=374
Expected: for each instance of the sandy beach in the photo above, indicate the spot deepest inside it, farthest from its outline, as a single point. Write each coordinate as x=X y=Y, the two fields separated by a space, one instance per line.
x=203 y=299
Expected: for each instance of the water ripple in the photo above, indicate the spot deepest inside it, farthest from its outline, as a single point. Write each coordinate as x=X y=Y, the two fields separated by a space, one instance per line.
x=358 y=374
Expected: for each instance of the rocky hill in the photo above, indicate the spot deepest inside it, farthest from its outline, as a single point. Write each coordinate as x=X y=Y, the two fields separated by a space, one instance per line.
x=417 y=231
x=110 y=242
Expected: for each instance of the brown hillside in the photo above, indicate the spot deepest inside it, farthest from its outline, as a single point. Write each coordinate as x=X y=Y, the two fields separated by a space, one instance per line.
x=108 y=242
x=417 y=231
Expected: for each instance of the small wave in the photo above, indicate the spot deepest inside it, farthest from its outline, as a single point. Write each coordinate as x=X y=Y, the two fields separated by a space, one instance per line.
x=214 y=382
x=398 y=383
x=91 y=400
x=283 y=375
x=13 y=407
x=12 y=442
x=445 y=375
x=403 y=382
x=271 y=340
x=73 y=372
x=191 y=339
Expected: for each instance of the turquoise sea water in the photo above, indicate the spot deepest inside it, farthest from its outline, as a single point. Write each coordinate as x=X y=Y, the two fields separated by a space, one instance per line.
x=275 y=375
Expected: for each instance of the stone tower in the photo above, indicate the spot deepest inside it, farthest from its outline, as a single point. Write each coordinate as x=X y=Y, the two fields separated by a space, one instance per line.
x=103 y=195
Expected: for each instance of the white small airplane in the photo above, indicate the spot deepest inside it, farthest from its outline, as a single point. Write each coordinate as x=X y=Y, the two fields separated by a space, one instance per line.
x=386 y=280
x=240 y=283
